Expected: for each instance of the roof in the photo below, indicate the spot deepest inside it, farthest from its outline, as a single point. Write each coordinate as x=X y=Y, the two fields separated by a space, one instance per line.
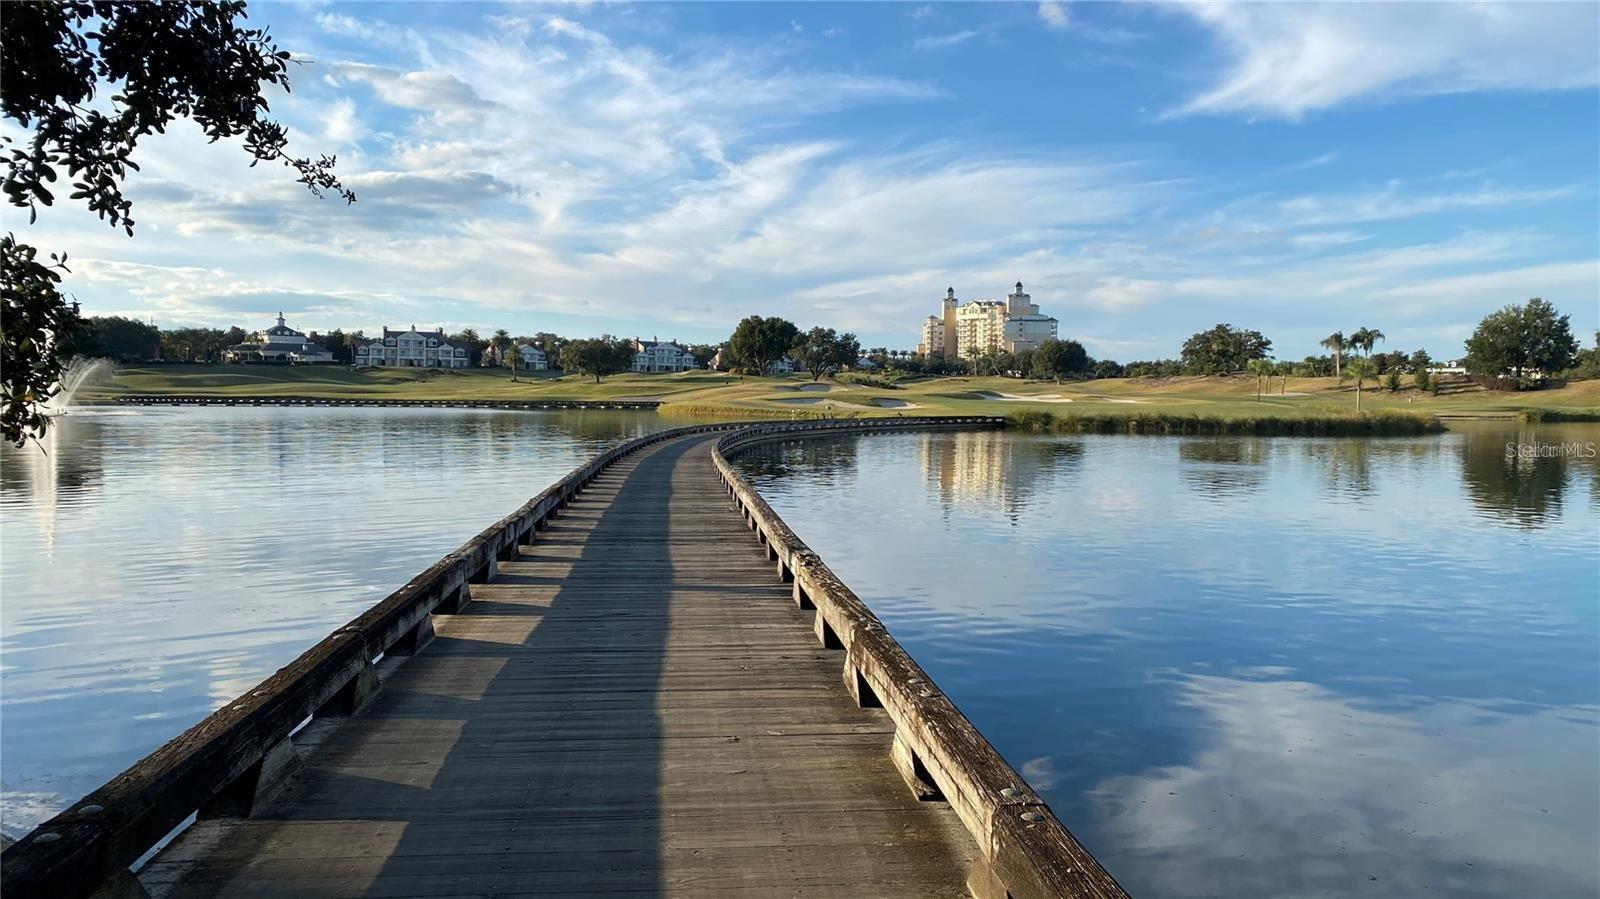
x=398 y=332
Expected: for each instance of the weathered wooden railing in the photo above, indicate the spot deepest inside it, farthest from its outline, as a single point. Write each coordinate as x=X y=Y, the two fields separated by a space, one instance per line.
x=1024 y=850
x=236 y=757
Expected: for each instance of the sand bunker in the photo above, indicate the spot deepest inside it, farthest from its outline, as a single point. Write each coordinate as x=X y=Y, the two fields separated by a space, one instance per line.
x=818 y=402
x=1099 y=398
x=808 y=388
x=1015 y=398
x=884 y=402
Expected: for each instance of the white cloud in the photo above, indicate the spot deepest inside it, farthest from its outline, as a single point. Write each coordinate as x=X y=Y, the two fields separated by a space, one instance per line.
x=340 y=125
x=590 y=183
x=1298 y=790
x=1054 y=13
x=452 y=100
x=942 y=41
x=1120 y=293
x=1289 y=59
x=1394 y=202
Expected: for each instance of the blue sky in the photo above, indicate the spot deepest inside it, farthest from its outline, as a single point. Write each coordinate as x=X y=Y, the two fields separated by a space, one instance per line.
x=663 y=170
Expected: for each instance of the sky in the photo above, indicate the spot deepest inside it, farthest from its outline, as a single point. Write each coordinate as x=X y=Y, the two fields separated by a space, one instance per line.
x=663 y=170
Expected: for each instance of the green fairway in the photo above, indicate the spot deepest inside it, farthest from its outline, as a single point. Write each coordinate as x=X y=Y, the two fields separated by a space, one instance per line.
x=687 y=394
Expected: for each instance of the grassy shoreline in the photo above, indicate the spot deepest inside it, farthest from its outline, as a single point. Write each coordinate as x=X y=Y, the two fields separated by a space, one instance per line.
x=1219 y=405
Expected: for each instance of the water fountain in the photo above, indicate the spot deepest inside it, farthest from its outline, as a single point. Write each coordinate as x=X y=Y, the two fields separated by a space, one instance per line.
x=80 y=371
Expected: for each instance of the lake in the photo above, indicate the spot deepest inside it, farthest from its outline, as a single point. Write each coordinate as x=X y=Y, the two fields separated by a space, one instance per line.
x=1253 y=666
x=158 y=563
x=1235 y=666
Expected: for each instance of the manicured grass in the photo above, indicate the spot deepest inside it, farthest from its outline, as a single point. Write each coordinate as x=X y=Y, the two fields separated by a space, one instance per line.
x=337 y=381
x=1166 y=405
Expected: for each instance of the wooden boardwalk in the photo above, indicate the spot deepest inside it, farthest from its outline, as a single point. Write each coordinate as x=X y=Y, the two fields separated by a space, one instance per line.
x=633 y=706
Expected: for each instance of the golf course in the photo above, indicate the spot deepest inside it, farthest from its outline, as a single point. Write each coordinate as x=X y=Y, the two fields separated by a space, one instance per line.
x=1181 y=404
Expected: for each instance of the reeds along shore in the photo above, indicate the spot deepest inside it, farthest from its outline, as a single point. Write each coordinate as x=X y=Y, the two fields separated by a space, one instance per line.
x=1369 y=424
x=1539 y=416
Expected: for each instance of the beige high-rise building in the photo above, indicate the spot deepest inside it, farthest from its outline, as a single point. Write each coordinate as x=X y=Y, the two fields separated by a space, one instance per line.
x=967 y=330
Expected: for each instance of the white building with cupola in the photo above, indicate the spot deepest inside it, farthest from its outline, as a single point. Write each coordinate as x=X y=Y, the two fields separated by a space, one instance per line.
x=279 y=343
x=968 y=330
x=412 y=349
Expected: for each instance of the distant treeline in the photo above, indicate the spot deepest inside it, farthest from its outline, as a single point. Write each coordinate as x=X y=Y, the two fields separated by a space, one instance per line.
x=1518 y=346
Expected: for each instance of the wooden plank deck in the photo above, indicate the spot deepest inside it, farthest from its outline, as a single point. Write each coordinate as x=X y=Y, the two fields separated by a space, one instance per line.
x=633 y=707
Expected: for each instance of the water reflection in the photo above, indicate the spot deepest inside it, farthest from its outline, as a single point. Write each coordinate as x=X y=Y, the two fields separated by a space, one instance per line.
x=982 y=468
x=154 y=563
x=1296 y=789
x=1256 y=666
x=1224 y=466
x=1518 y=489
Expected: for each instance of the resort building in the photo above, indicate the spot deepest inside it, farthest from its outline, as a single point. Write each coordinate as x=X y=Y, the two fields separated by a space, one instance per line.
x=968 y=330
x=657 y=356
x=531 y=358
x=412 y=349
x=933 y=333
x=279 y=343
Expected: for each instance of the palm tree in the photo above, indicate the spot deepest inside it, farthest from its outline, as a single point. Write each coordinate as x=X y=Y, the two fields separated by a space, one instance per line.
x=501 y=340
x=1365 y=338
x=1261 y=368
x=513 y=356
x=1284 y=370
x=1361 y=370
x=1338 y=345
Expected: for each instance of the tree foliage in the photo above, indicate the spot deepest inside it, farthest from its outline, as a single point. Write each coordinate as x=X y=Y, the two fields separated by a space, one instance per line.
x=512 y=358
x=161 y=62
x=115 y=337
x=1336 y=343
x=598 y=357
x=1262 y=369
x=35 y=318
x=823 y=351
x=703 y=353
x=1365 y=338
x=1223 y=349
x=1060 y=359
x=759 y=342
x=1520 y=339
x=1362 y=370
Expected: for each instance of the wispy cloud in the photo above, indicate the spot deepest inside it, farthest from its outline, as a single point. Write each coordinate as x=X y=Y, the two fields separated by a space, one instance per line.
x=941 y=41
x=1394 y=201
x=1054 y=14
x=1290 y=59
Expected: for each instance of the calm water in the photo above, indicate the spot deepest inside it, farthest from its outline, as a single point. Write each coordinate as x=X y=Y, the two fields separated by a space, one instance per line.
x=1237 y=667
x=1252 y=667
x=158 y=563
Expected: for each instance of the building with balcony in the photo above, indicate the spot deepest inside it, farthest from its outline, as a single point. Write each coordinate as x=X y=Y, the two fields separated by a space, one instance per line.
x=412 y=349
x=531 y=358
x=661 y=355
x=968 y=330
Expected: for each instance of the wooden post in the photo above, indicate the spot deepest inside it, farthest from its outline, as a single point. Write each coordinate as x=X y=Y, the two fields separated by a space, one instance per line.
x=248 y=792
x=454 y=601
x=412 y=641
x=352 y=696
x=911 y=769
x=825 y=634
